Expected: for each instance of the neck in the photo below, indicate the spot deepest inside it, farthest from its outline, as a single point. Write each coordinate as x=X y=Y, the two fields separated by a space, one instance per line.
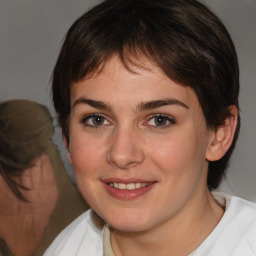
x=179 y=235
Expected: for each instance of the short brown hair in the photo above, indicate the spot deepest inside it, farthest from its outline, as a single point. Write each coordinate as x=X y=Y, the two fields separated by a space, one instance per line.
x=182 y=37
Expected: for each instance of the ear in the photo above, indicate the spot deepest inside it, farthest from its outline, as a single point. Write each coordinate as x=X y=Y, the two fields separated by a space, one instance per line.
x=66 y=142
x=223 y=137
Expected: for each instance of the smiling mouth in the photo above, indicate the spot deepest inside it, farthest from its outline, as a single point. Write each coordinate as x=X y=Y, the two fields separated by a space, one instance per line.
x=128 y=186
x=127 y=190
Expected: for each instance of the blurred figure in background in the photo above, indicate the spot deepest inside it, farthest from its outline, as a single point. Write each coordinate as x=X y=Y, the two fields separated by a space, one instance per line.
x=37 y=199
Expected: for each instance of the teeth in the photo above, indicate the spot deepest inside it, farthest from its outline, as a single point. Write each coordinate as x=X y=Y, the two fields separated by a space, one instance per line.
x=129 y=186
x=121 y=186
x=138 y=185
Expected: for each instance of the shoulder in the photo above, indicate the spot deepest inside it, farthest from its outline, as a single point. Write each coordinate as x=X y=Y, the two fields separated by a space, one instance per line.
x=236 y=232
x=84 y=234
x=238 y=211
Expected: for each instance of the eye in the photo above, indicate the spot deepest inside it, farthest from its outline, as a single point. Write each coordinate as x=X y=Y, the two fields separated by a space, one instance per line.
x=160 y=121
x=95 y=120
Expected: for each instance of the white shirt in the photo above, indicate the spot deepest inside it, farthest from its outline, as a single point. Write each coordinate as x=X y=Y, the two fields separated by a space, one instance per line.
x=235 y=234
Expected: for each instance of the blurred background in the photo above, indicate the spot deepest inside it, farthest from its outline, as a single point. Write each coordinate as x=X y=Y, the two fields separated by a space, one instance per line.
x=31 y=33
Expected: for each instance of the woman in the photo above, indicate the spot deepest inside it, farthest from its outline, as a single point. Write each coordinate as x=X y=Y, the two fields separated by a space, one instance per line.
x=147 y=96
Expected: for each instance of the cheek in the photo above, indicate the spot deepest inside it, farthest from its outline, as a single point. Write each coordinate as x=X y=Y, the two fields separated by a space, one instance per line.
x=181 y=160
x=87 y=163
x=85 y=154
x=173 y=152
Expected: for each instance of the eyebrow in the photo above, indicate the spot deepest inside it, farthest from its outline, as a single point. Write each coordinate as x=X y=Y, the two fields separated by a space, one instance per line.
x=93 y=103
x=143 y=106
x=149 y=105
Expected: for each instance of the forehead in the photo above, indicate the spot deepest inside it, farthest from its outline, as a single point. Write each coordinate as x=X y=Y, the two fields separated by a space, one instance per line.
x=143 y=81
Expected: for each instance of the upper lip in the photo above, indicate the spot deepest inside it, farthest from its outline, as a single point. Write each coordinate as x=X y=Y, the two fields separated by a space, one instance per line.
x=126 y=181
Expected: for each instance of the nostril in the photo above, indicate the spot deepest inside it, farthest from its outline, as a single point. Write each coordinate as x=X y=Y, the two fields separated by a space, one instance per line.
x=124 y=160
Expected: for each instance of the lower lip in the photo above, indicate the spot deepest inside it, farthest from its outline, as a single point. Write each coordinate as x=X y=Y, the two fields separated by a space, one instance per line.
x=125 y=194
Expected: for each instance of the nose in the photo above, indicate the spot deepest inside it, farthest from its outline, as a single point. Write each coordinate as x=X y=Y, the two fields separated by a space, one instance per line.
x=125 y=150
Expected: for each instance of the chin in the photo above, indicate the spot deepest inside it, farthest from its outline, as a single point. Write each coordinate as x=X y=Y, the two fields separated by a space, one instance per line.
x=126 y=222
x=129 y=228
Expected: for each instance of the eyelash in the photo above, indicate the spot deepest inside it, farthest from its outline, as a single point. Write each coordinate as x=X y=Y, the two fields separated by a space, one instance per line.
x=84 y=121
x=86 y=118
x=166 y=118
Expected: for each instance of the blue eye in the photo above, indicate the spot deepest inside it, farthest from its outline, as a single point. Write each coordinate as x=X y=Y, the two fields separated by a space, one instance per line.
x=160 y=121
x=94 y=120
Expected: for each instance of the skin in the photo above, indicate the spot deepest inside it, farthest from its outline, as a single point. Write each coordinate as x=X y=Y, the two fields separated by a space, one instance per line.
x=129 y=142
x=22 y=224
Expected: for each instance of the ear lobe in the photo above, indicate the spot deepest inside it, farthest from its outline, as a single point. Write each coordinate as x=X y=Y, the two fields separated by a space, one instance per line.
x=223 y=137
x=67 y=147
x=66 y=142
x=69 y=158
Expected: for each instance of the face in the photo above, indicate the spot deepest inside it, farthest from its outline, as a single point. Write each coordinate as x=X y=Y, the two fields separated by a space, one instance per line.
x=138 y=145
